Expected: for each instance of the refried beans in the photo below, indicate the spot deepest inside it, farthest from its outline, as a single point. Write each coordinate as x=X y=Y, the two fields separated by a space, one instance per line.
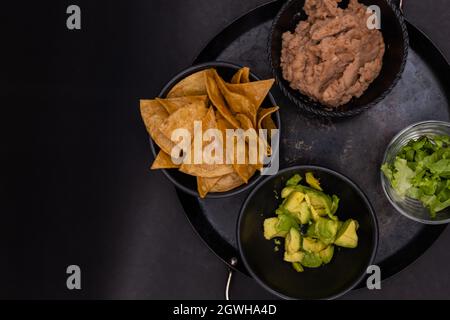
x=332 y=56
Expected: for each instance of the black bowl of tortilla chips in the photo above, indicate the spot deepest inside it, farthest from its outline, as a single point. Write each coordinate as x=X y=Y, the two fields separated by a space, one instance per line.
x=223 y=96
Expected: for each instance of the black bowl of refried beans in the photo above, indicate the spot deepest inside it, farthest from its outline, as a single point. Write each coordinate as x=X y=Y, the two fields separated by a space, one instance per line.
x=336 y=58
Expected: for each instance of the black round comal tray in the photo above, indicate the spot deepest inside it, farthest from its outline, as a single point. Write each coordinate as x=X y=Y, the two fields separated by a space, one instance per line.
x=354 y=146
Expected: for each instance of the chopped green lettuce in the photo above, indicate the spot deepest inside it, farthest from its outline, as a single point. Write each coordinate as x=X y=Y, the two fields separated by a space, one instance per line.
x=421 y=170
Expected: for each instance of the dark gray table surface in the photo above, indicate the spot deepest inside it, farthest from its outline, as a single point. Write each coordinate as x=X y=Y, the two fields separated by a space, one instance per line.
x=75 y=185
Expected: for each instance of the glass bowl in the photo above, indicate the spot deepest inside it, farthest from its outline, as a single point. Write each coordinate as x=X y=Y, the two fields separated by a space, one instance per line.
x=411 y=208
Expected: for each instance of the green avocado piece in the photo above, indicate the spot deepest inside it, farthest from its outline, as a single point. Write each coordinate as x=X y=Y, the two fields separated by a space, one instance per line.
x=297 y=266
x=294 y=180
x=319 y=203
x=334 y=204
x=313 y=245
x=293 y=257
x=278 y=226
x=312 y=181
x=270 y=228
x=326 y=230
x=286 y=222
x=305 y=213
x=311 y=260
x=293 y=202
x=292 y=241
x=327 y=254
x=287 y=191
x=311 y=231
x=347 y=237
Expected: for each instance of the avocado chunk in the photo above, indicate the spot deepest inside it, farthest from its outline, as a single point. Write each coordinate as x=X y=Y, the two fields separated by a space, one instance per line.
x=286 y=222
x=311 y=260
x=303 y=216
x=314 y=215
x=294 y=180
x=293 y=257
x=334 y=204
x=326 y=230
x=292 y=241
x=270 y=228
x=327 y=254
x=312 y=181
x=278 y=226
x=305 y=213
x=297 y=266
x=347 y=237
x=319 y=203
x=293 y=201
x=311 y=231
x=313 y=245
x=307 y=219
x=286 y=191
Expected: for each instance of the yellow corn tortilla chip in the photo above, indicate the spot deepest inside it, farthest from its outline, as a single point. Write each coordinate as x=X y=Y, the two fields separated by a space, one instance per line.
x=217 y=99
x=247 y=170
x=265 y=122
x=153 y=114
x=268 y=123
x=245 y=98
x=241 y=76
x=206 y=170
x=173 y=104
x=264 y=113
x=238 y=106
x=244 y=170
x=193 y=85
x=163 y=161
x=227 y=183
x=245 y=121
x=184 y=118
x=223 y=125
x=204 y=185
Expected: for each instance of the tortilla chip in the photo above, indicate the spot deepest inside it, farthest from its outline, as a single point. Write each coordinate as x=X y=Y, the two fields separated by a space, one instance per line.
x=264 y=113
x=255 y=91
x=265 y=122
x=153 y=114
x=206 y=170
x=163 y=161
x=245 y=98
x=223 y=125
x=193 y=85
x=184 y=118
x=204 y=185
x=241 y=76
x=173 y=104
x=227 y=183
x=238 y=106
x=217 y=99
x=268 y=123
x=246 y=170
x=245 y=121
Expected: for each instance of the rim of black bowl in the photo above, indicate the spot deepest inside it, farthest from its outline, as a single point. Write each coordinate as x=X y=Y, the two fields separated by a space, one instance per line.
x=315 y=108
x=177 y=78
x=340 y=176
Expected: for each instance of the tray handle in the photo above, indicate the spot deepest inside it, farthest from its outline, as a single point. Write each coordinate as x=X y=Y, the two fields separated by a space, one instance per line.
x=233 y=263
x=399 y=4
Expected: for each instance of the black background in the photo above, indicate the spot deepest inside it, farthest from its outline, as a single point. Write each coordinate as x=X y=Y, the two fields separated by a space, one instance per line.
x=75 y=187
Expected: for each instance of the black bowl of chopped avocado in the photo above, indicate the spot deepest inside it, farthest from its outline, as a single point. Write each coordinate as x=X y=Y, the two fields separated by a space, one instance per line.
x=307 y=232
